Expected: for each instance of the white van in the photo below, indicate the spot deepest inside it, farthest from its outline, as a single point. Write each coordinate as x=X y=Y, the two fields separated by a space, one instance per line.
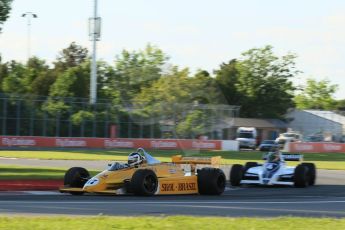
x=246 y=136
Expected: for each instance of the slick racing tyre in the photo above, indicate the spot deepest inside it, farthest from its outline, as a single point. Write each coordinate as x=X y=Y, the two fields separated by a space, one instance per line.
x=249 y=165
x=236 y=174
x=301 y=178
x=311 y=173
x=211 y=181
x=144 y=182
x=76 y=177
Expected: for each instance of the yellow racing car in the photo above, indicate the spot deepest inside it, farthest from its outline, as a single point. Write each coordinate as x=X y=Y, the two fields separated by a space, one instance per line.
x=144 y=175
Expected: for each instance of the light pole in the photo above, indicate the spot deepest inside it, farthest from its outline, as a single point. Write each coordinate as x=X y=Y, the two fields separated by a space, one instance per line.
x=29 y=16
x=95 y=35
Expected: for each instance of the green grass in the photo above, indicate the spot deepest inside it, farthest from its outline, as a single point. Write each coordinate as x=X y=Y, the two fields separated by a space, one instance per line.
x=11 y=172
x=322 y=160
x=171 y=222
x=68 y=154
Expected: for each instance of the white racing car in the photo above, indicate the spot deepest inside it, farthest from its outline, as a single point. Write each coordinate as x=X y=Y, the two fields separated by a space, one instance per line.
x=274 y=171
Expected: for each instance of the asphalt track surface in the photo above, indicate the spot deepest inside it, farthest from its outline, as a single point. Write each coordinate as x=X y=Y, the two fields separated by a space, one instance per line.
x=318 y=201
x=326 y=199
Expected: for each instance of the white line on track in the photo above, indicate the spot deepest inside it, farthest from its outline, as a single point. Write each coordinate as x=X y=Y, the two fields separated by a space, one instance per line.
x=176 y=202
x=263 y=209
x=8 y=158
x=42 y=192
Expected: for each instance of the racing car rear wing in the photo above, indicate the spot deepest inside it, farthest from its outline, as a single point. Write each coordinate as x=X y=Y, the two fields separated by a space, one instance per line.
x=179 y=159
x=287 y=157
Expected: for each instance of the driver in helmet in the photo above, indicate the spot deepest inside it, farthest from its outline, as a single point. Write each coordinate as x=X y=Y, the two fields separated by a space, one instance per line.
x=135 y=159
x=274 y=155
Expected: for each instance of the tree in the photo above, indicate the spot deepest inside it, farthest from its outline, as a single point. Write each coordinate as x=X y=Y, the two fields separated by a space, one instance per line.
x=178 y=87
x=341 y=106
x=3 y=72
x=227 y=77
x=5 y=8
x=317 y=95
x=204 y=89
x=178 y=99
x=193 y=125
x=34 y=78
x=38 y=77
x=136 y=70
x=259 y=82
x=72 y=83
x=14 y=82
x=72 y=56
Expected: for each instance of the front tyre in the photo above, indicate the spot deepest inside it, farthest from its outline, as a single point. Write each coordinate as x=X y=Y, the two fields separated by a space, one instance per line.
x=311 y=173
x=301 y=176
x=236 y=174
x=76 y=177
x=144 y=182
x=211 y=181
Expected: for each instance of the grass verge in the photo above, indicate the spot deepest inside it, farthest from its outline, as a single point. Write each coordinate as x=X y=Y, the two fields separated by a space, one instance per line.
x=14 y=172
x=171 y=222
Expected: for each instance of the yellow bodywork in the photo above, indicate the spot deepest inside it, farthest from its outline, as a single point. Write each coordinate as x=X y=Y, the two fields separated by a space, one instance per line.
x=172 y=179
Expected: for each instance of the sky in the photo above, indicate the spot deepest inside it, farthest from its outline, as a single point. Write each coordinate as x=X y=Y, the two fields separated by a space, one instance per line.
x=199 y=34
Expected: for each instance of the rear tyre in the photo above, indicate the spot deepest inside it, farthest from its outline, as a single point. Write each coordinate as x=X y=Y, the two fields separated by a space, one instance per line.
x=311 y=173
x=211 y=181
x=236 y=174
x=249 y=165
x=144 y=182
x=301 y=176
x=76 y=177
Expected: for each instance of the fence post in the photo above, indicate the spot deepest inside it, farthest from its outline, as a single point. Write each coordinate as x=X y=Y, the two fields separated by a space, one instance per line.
x=18 y=118
x=32 y=114
x=57 y=130
x=44 y=130
x=4 y=118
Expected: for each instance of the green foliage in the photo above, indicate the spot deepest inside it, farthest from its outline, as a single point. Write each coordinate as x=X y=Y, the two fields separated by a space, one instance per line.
x=176 y=88
x=136 y=70
x=3 y=73
x=5 y=8
x=72 y=56
x=142 y=89
x=81 y=116
x=55 y=107
x=317 y=95
x=73 y=82
x=193 y=125
x=259 y=82
x=341 y=105
x=14 y=82
x=227 y=78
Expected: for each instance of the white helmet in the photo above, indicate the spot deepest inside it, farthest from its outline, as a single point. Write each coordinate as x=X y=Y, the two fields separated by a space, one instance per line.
x=135 y=159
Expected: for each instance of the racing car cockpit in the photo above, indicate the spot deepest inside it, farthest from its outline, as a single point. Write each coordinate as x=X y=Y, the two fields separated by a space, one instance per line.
x=117 y=166
x=274 y=156
x=134 y=160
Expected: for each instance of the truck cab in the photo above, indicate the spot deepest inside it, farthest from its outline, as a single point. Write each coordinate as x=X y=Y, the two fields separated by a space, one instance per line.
x=288 y=137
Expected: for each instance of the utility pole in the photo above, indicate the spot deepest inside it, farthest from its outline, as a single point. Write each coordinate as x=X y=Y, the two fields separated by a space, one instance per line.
x=29 y=16
x=95 y=35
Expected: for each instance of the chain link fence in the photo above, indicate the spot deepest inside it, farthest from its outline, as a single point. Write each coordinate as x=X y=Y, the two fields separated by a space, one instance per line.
x=28 y=115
